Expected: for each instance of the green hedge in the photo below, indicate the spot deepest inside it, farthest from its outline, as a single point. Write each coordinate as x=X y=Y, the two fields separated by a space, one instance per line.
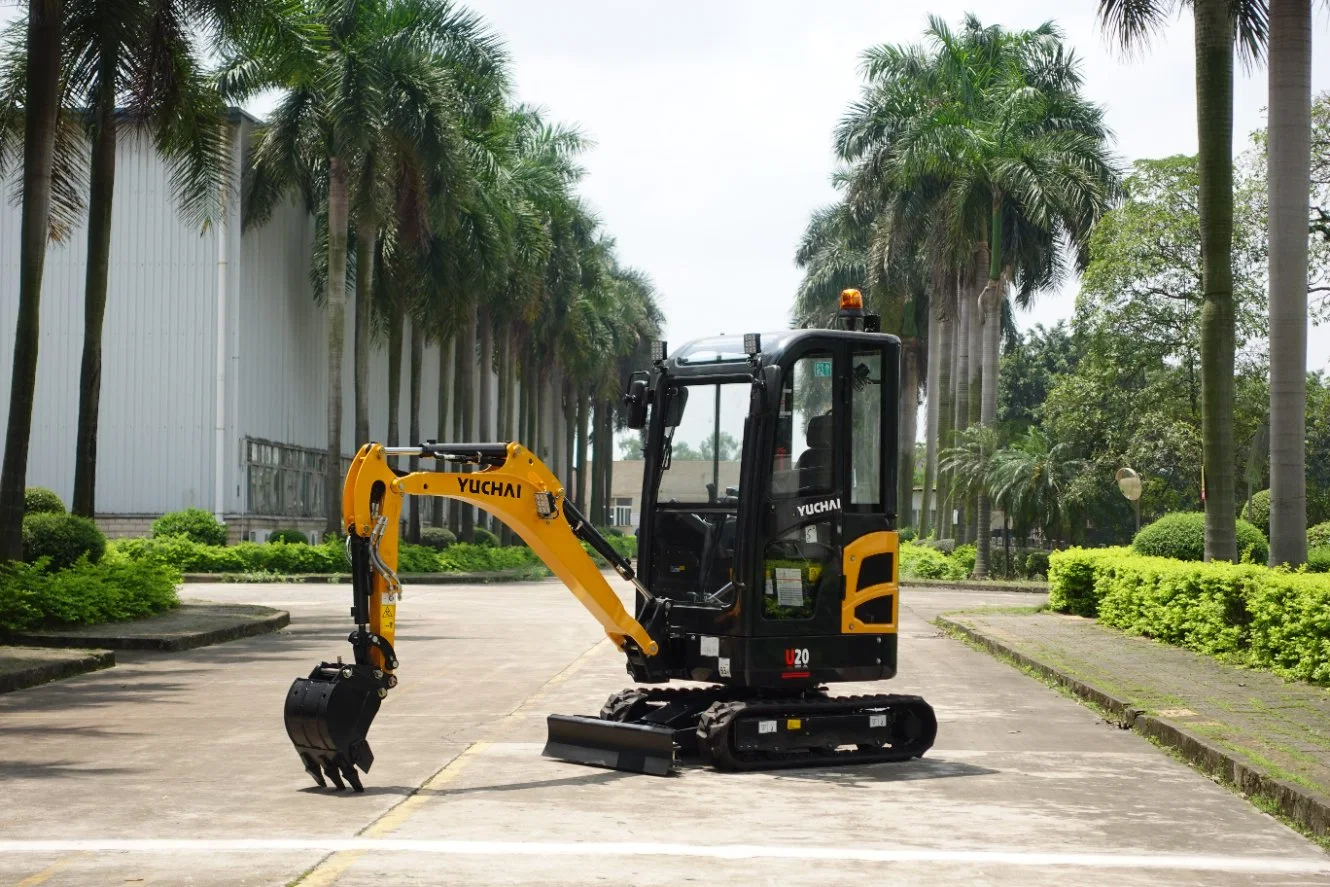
x=85 y=594
x=1181 y=535
x=192 y=523
x=289 y=535
x=39 y=500
x=1257 y=511
x=1273 y=619
x=926 y=562
x=294 y=558
x=60 y=539
x=1318 y=535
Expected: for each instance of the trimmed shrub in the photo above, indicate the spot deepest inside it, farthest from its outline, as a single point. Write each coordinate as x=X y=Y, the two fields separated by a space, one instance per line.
x=907 y=534
x=437 y=538
x=62 y=539
x=1318 y=559
x=946 y=546
x=926 y=562
x=484 y=537
x=1036 y=565
x=1257 y=512
x=1071 y=578
x=465 y=557
x=291 y=536
x=1318 y=535
x=39 y=500
x=416 y=559
x=1268 y=618
x=1181 y=536
x=85 y=594
x=964 y=557
x=609 y=531
x=192 y=523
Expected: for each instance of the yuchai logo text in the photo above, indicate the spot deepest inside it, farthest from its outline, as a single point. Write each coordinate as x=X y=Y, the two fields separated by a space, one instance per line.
x=818 y=507
x=490 y=487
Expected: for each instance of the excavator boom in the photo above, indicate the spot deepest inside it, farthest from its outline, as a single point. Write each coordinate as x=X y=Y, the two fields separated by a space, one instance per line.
x=328 y=714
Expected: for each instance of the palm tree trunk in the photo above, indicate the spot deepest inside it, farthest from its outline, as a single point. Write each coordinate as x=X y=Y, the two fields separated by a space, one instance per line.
x=485 y=395
x=467 y=366
x=945 y=319
x=396 y=339
x=364 y=304
x=607 y=464
x=598 y=456
x=973 y=527
x=1290 y=184
x=417 y=373
x=961 y=407
x=931 y=389
x=101 y=193
x=337 y=234
x=990 y=309
x=40 y=109
x=445 y=397
x=1214 y=116
x=569 y=431
x=583 y=408
x=909 y=429
x=461 y=345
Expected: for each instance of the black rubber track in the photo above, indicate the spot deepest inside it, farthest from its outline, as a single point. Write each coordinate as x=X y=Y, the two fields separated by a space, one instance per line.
x=913 y=718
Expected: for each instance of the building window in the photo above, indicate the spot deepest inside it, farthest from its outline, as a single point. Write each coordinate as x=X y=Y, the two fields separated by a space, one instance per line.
x=284 y=480
x=622 y=512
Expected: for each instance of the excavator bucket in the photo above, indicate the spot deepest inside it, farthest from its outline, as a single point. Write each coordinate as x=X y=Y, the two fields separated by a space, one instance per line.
x=636 y=748
x=328 y=716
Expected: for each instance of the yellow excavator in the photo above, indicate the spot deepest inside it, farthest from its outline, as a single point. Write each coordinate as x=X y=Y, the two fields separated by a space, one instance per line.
x=767 y=564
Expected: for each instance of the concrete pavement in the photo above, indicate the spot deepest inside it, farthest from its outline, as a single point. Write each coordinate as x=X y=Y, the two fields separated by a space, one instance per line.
x=188 y=751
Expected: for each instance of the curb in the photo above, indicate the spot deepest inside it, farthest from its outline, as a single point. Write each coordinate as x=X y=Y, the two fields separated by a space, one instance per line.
x=175 y=644
x=54 y=671
x=998 y=585
x=1309 y=810
x=406 y=578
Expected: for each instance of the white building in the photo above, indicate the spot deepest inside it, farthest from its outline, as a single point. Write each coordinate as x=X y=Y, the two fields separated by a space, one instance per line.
x=215 y=354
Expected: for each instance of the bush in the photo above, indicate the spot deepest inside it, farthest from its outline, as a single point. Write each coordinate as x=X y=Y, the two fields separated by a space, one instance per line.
x=926 y=562
x=1036 y=565
x=62 y=539
x=416 y=559
x=85 y=594
x=468 y=558
x=189 y=556
x=946 y=546
x=1264 y=617
x=1318 y=559
x=609 y=531
x=290 y=536
x=1257 y=512
x=907 y=534
x=437 y=538
x=192 y=523
x=482 y=536
x=1319 y=535
x=1181 y=536
x=964 y=557
x=1071 y=578
x=39 y=500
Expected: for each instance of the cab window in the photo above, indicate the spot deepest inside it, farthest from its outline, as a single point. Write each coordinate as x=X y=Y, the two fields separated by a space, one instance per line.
x=802 y=460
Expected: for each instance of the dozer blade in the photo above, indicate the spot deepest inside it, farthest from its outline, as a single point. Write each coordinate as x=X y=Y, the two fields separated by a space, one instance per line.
x=636 y=748
x=328 y=716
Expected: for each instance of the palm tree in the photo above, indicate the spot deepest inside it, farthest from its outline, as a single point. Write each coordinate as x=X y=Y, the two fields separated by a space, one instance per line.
x=971 y=463
x=41 y=106
x=1290 y=184
x=389 y=72
x=1034 y=478
x=146 y=56
x=1219 y=25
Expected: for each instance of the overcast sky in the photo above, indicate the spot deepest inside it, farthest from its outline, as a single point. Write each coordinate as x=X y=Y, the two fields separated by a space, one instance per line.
x=713 y=121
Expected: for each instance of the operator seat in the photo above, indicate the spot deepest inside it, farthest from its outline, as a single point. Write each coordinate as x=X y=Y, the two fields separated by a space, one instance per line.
x=815 y=462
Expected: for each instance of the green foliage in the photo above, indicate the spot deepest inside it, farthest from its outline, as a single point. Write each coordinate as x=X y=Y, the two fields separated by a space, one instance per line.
x=926 y=562
x=609 y=531
x=1319 y=535
x=1036 y=565
x=1265 y=617
x=416 y=558
x=437 y=538
x=907 y=534
x=484 y=537
x=1318 y=559
x=1029 y=368
x=1257 y=512
x=964 y=557
x=1182 y=536
x=465 y=557
x=61 y=539
x=290 y=536
x=1071 y=578
x=39 y=500
x=117 y=588
x=192 y=523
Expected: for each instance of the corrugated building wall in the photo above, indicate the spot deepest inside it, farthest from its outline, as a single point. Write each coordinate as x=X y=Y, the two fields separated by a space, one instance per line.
x=158 y=429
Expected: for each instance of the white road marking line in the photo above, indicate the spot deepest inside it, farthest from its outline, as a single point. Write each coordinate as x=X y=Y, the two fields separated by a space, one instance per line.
x=1248 y=864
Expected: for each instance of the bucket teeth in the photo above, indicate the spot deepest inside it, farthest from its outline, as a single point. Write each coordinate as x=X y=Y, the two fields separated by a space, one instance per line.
x=327 y=717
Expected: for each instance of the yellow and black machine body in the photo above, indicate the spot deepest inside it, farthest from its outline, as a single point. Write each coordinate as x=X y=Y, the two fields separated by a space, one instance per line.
x=767 y=565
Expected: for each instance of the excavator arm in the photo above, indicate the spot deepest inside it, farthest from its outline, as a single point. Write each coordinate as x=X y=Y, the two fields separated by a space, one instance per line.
x=329 y=713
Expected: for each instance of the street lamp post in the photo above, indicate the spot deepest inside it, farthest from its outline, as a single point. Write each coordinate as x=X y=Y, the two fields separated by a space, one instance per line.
x=1129 y=482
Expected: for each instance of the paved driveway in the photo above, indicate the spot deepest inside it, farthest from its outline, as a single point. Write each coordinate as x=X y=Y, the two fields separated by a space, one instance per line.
x=176 y=770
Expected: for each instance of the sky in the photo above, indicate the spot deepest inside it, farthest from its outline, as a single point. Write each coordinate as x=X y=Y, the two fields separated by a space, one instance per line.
x=713 y=124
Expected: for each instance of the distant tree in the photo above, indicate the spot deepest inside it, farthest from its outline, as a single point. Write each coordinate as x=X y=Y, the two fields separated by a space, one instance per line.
x=729 y=448
x=1029 y=369
x=630 y=448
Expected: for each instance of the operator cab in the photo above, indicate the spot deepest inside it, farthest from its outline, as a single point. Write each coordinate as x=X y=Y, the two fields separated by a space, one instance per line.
x=765 y=456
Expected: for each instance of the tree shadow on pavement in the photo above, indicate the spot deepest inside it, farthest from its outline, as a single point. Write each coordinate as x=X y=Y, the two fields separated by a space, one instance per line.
x=15 y=769
x=598 y=777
